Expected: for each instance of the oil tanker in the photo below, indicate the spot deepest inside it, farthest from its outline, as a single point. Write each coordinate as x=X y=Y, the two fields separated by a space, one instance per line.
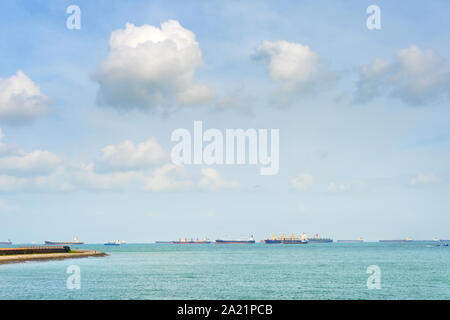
x=317 y=239
x=220 y=241
x=359 y=240
x=192 y=241
x=64 y=243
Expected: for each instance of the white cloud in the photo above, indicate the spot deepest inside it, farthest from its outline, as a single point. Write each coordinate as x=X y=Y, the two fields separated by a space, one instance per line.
x=35 y=161
x=11 y=183
x=338 y=188
x=415 y=76
x=296 y=66
x=168 y=177
x=289 y=61
x=81 y=176
x=17 y=160
x=21 y=100
x=149 y=67
x=303 y=181
x=424 y=179
x=128 y=155
x=211 y=180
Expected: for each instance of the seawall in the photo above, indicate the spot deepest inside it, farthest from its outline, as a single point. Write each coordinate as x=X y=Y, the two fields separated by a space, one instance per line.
x=16 y=258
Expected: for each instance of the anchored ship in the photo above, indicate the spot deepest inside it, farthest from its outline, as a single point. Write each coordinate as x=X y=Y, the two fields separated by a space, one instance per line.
x=407 y=239
x=252 y=240
x=5 y=242
x=114 y=243
x=192 y=241
x=317 y=239
x=292 y=240
x=61 y=243
x=274 y=240
x=359 y=240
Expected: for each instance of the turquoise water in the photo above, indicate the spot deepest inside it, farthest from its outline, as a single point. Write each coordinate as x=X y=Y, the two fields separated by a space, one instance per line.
x=165 y=271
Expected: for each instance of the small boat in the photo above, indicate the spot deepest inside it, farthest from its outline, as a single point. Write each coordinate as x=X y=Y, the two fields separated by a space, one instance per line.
x=113 y=243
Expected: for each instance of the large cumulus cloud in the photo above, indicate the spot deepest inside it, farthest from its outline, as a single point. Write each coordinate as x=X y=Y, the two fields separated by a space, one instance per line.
x=296 y=67
x=151 y=68
x=415 y=76
x=21 y=100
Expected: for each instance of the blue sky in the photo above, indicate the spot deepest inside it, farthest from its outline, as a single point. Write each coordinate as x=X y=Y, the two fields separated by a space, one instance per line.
x=375 y=167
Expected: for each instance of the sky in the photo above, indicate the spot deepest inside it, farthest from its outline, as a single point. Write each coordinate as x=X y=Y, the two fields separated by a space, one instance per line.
x=86 y=118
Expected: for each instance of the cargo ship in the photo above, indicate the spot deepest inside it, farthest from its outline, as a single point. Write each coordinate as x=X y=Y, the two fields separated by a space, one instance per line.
x=317 y=239
x=407 y=239
x=292 y=240
x=5 y=242
x=359 y=240
x=164 y=242
x=252 y=240
x=64 y=243
x=274 y=240
x=192 y=241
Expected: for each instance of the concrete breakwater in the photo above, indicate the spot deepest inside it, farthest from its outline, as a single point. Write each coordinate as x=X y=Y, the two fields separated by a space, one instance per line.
x=33 y=250
x=14 y=255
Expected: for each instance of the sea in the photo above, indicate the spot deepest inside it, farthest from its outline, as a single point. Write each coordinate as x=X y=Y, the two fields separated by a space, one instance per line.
x=238 y=271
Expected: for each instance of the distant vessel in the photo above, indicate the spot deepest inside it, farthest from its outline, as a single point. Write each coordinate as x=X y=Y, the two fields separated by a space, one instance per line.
x=317 y=239
x=165 y=242
x=192 y=241
x=252 y=240
x=359 y=240
x=292 y=240
x=114 y=243
x=5 y=242
x=274 y=240
x=408 y=239
x=59 y=243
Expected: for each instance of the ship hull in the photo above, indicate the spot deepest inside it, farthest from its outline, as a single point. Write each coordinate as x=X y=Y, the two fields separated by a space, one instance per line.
x=191 y=242
x=235 y=241
x=320 y=240
x=62 y=243
x=268 y=241
x=294 y=242
x=5 y=243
